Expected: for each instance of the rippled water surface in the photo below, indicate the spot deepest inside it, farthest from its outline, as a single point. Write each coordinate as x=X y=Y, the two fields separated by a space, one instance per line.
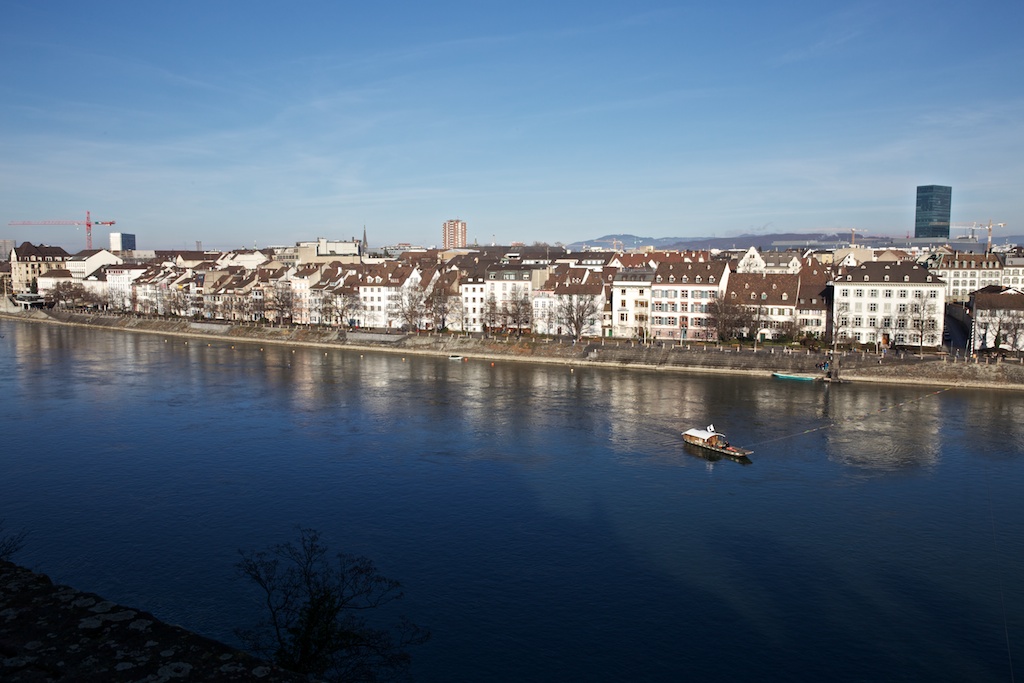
x=546 y=522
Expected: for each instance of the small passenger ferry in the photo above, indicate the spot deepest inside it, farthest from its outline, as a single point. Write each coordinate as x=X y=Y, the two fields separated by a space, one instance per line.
x=714 y=441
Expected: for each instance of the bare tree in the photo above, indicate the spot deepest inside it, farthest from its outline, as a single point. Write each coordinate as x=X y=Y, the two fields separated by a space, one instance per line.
x=11 y=543
x=442 y=306
x=231 y=305
x=491 y=312
x=110 y=301
x=921 y=316
x=879 y=331
x=1013 y=330
x=350 y=306
x=548 y=318
x=328 y=308
x=175 y=302
x=244 y=304
x=259 y=303
x=727 y=318
x=576 y=312
x=519 y=309
x=314 y=605
x=840 y=324
x=66 y=294
x=411 y=308
x=283 y=302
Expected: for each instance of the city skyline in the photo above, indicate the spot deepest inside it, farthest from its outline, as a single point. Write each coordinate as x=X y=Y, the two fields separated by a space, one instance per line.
x=531 y=123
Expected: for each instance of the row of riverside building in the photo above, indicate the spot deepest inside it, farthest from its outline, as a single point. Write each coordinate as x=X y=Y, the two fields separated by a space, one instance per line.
x=879 y=298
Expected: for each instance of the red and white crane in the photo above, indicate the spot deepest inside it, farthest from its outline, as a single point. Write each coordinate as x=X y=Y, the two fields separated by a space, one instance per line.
x=88 y=223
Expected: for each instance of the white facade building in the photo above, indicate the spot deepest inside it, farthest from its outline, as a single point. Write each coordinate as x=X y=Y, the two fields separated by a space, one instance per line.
x=631 y=303
x=681 y=297
x=888 y=304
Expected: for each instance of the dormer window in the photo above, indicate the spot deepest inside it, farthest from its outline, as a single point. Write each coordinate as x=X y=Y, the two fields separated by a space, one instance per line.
x=785 y=296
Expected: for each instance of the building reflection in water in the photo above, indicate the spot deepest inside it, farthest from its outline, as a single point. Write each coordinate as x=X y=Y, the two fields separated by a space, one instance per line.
x=641 y=413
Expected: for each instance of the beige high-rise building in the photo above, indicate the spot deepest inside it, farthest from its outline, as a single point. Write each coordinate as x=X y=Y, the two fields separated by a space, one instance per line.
x=454 y=233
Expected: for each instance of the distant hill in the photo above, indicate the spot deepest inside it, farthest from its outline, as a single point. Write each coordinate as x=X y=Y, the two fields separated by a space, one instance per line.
x=762 y=241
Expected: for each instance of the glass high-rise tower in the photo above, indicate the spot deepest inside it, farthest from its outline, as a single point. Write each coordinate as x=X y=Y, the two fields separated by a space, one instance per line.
x=932 y=218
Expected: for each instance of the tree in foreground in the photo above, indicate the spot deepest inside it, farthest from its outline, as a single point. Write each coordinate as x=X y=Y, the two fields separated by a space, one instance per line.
x=728 y=319
x=577 y=312
x=10 y=543
x=315 y=605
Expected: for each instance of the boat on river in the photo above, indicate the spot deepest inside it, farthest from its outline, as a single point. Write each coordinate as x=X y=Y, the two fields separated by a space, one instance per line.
x=795 y=376
x=714 y=441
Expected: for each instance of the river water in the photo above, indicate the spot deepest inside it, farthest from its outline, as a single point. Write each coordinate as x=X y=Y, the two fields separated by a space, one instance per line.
x=546 y=522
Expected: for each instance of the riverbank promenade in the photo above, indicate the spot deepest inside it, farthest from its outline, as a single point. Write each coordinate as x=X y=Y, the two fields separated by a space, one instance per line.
x=898 y=367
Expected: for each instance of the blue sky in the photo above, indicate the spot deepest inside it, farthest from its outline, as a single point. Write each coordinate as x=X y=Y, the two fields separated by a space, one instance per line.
x=242 y=123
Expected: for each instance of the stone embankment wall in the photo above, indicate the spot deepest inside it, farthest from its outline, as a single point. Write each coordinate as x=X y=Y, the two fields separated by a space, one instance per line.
x=55 y=633
x=934 y=369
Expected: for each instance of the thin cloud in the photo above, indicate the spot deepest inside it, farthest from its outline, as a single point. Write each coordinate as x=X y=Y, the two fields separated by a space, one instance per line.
x=825 y=45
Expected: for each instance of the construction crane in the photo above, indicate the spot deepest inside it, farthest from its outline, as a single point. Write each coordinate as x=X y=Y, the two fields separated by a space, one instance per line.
x=88 y=226
x=988 y=248
x=970 y=228
x=617 y=245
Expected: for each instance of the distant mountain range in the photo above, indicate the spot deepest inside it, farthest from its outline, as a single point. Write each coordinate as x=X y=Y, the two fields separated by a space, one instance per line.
x=761 y=241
